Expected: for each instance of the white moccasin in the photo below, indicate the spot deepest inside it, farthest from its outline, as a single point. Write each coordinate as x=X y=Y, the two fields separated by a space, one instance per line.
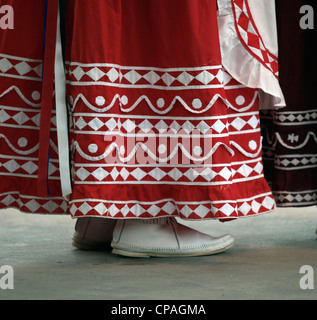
x=136 y=238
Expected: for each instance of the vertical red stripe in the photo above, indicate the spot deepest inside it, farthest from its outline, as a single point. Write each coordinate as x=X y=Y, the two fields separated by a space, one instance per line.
x=47 y=96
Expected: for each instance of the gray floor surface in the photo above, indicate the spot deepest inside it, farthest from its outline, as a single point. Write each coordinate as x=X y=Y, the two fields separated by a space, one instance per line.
x=264 y=264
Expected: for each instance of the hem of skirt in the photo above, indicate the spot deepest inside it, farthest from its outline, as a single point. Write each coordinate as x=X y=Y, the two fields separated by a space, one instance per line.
x=221 y=219
x=203 y=210
x=34 y=205
x=296 y=205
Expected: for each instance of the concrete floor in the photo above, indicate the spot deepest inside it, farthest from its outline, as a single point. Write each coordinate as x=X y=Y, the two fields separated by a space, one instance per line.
x=263 y=264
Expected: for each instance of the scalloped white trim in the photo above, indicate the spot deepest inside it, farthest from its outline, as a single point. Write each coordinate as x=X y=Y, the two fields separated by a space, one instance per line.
x=246 y=153
x=303 y=144
x=156 y=110
x=26 y=152
x=145 y=148
x=20 y=94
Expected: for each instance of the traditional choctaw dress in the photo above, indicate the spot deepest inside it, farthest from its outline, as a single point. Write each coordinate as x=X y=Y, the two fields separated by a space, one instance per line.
x=290 y=134
x=164 y=100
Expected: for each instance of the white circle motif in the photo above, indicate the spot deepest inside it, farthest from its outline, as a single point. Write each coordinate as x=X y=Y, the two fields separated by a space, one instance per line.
x=36 y=95
x=93 y=148
x=122 y=150
x=240 y=100
x=100 y=101
x=162 y=148
x=22 y=142
x=253 y=145
x=196 y=103
x=198 y=150
x=124 y=100
x=160 y=103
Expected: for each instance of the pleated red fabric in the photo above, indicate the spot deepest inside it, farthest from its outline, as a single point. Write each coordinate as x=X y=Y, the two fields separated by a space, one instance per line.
x=158 y=126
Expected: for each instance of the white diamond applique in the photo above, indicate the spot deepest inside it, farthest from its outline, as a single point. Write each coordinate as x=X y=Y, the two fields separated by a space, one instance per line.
x=50 y=206
x=30 y=167
x=51 y=169
x=188 y=127
x=100 y=174
x=11 y=166
x=157 y=174
x=225 y=173
x=227 y=209
x=185 y=78
x=21 y=117
x=186 y=211
x=245 y=208
x=154 y=210
x=238 y=123
x=255 y=206
x=161 y=126
x=152 y=77
x=175 y=126
x=36 y=119
x=168 y=79
x=78 y=73
x=101 y=208
x=125 y=210
x=268 y=203
x=82 y=174
x=22 y=68
x=201 y=211
x=129 y=125
x=95 y=124
x=218 y=126
x=3 y=116
x=205 y=77
x=245 y=170
x=8 y=200
x=132 y=76
x=208 y=174
x=124 y=173
x=191 y=174
x=175 y=174
x=81 y=123
x=85 y=208
x=113 y=210
x=137 y=210
x=111 y=124
x=95 y=74
x=169 y=207
x=253 y=122
x=5 y=65
x=32 y=205
x=138 y=174
x=114 y=173
x=113 y=74
x=258 y=168
x=146 y=126
x=203 y=127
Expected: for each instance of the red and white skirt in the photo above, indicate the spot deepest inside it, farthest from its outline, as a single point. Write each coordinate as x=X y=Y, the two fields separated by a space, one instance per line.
x=164 y=99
